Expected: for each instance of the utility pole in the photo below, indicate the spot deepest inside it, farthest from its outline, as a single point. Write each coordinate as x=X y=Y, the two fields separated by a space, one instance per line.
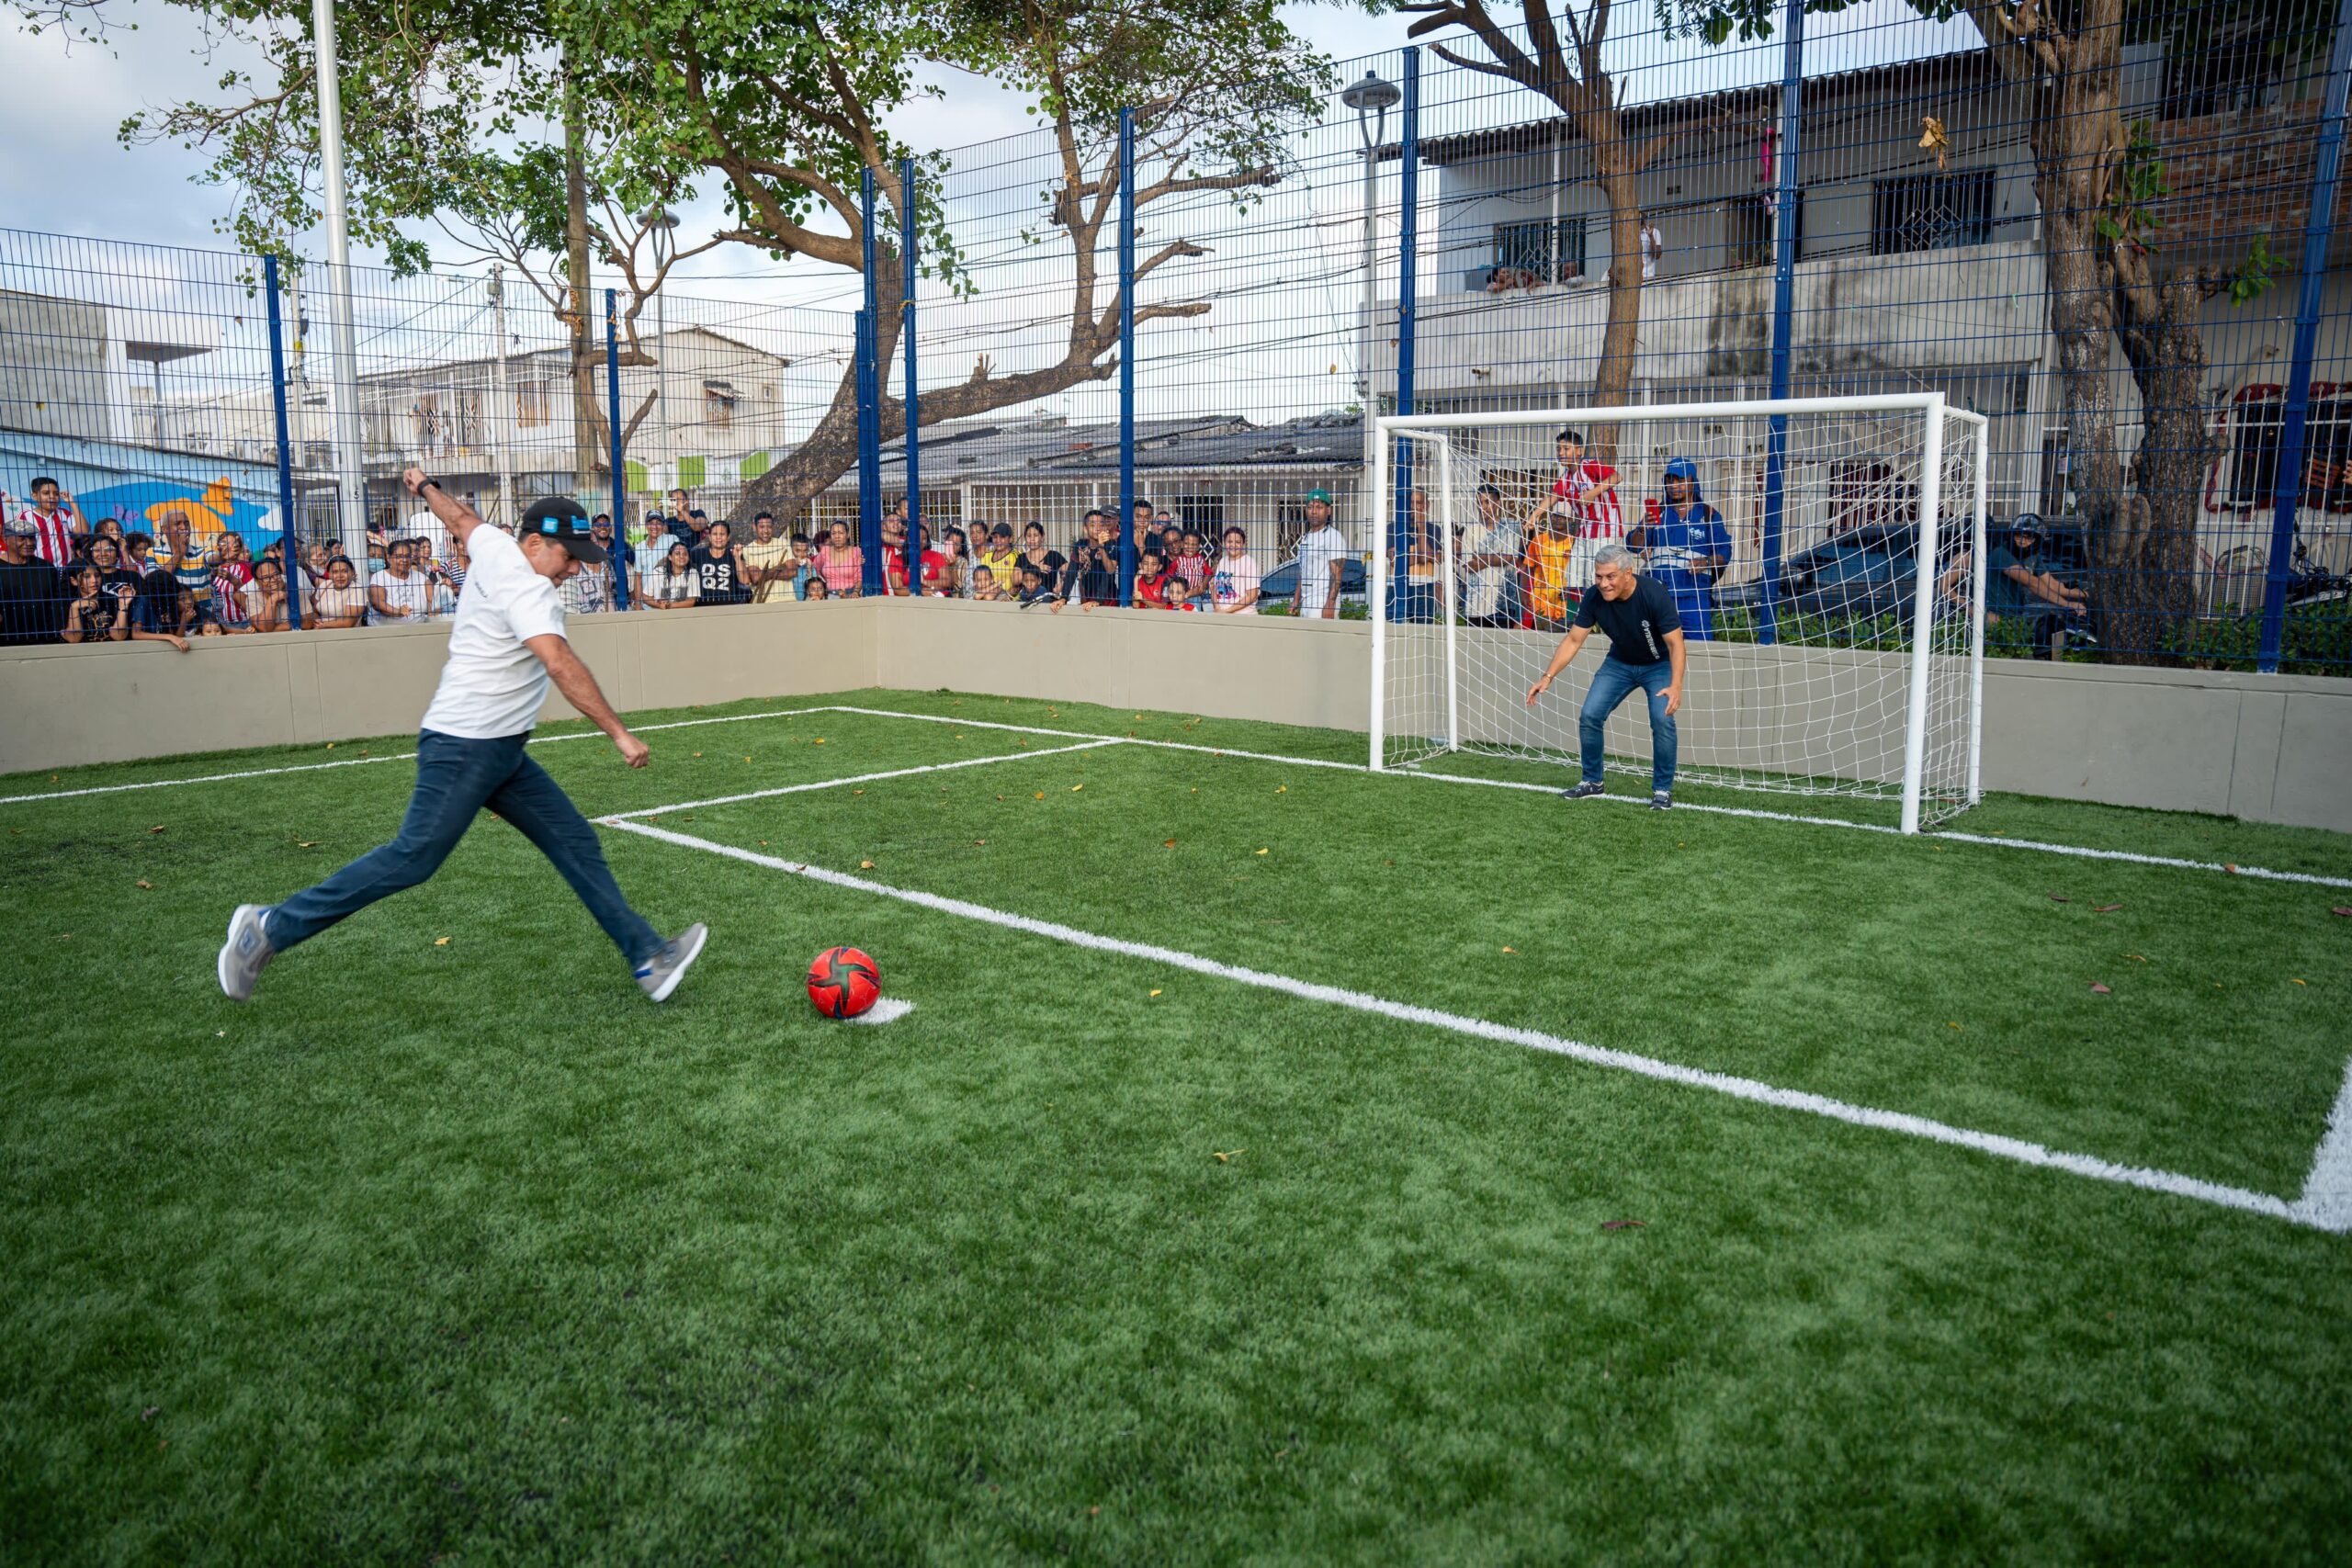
x=502 y=424
x=343 y=395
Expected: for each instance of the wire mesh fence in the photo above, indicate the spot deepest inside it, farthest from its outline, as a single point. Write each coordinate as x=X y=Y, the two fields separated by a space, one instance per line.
x=2119 y=247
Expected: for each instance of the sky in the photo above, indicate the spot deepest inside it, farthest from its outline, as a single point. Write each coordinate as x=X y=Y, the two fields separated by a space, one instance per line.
x=1283 y=278
x=64 y=172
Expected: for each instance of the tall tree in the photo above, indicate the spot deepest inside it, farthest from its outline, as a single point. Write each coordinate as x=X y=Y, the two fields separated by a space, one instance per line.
x=789 y=120
x=2099 y=185
x=1555 y=49
x=454 y=106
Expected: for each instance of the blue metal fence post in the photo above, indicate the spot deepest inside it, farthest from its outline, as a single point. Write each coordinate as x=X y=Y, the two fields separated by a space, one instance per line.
x=906 y=240
x=869 y=395
x=1784 y=290
x=1126 y=357
x=1408 y=191
x=613 y=426
x=288 y=550
x=2319 y=228
x=869 y=461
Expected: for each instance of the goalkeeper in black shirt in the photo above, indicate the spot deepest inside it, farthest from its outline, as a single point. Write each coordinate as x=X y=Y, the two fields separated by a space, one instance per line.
x=1644 y=631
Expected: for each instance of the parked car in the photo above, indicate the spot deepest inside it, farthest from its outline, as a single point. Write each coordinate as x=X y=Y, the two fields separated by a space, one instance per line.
x=1283 y=582
x=1868 y=572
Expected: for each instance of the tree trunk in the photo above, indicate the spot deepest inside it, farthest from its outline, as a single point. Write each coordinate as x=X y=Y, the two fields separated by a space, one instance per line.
x=584 y=421
x=2150 y=593
x=2076 y=137
x=1621 y=338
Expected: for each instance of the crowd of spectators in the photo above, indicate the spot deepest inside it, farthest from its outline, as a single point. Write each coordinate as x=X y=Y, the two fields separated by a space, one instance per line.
x=67 y=579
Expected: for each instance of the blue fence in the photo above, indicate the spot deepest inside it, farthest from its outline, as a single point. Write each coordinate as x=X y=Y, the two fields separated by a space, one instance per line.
x=2146 y=292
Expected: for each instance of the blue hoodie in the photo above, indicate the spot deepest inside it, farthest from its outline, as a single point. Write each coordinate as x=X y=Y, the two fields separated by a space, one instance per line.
x=1696 y=529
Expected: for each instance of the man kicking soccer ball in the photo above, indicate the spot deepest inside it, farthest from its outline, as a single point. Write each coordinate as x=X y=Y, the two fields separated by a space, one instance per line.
x=505 y=645
x=1645 y=634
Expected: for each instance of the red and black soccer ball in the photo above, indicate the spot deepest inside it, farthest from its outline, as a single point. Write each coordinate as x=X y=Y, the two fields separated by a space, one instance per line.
x=844 y=982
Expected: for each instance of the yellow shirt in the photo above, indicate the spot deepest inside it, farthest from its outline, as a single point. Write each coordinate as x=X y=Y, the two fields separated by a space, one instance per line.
x=1000 y=568
x=766 y=558
x=1548 y=574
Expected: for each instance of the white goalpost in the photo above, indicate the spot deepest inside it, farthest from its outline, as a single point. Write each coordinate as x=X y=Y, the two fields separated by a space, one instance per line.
x=1826 y=556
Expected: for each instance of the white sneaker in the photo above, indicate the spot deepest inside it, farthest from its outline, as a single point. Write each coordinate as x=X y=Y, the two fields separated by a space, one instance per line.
x=660 y=974
x=245 y=953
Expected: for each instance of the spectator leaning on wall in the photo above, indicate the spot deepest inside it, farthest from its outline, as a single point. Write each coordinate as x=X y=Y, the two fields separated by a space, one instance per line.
x=31 y=592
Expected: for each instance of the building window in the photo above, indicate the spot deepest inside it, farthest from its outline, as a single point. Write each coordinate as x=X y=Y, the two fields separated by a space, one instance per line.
x=531 y=402
x=2255 y=427
x=1748 y=231
x=719 y=405
x=2230 y=67
x=1203 y=511
x=1931 y=212
x=1540 y=252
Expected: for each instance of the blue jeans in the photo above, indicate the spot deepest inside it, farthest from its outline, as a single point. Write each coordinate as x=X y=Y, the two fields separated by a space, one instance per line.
x=455 y=779
x=1612 y=684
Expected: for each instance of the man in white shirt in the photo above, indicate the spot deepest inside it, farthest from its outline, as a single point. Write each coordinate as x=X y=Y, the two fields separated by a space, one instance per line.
x=1490 y=553
x=1653 y=249
x=507 y=644
x=1322 y=557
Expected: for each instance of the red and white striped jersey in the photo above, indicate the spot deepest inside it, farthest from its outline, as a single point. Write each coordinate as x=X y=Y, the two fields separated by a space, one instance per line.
x=1598 y=518
x=53 y=534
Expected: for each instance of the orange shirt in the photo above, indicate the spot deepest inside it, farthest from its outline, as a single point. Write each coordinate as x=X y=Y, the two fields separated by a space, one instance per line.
x=1547 y=575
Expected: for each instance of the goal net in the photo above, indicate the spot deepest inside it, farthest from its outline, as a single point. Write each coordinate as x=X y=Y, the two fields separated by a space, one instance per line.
x=1825 y=556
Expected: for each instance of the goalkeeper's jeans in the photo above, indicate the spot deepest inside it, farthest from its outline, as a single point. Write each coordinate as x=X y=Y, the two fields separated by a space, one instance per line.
x=456 y=778
x=1613 y=684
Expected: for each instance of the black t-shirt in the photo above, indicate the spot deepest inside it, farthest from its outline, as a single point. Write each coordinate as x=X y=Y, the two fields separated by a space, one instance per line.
x=1049 y=565
x=1636 y=624
x=719 y=578
x=31 y=603
x=158 y=605
x=1096 y=578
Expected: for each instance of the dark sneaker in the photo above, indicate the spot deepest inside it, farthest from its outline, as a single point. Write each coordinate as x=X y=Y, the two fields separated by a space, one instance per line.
x=660 y=974
x=1583 y=792
x=245 y=953
x=1660 y=800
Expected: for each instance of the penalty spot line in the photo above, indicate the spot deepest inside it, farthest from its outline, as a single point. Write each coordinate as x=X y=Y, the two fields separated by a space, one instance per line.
x=2017 y=1150
x=886 y=1010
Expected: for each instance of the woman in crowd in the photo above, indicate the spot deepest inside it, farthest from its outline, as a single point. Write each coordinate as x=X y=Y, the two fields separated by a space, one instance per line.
x=265 y=600
x=675 y=584
x=92 y=612
x=1235 y=583
x=956 y=577
x=841 y=565
x=1034 y=553
x=342 y=602
x=996 y=554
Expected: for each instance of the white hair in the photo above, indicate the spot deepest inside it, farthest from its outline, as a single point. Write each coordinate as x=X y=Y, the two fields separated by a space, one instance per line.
x=1617 y=555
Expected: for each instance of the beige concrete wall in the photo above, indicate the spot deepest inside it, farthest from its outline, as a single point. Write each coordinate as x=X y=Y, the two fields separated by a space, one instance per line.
x=114 y=702
x=2275 y=749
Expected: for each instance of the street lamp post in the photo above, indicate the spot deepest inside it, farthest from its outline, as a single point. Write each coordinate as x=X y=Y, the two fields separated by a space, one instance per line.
x=663 y=223
x=1372 y=98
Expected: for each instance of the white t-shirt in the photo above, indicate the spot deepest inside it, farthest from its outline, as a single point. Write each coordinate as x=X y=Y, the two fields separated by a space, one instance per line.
x=1231 y=580
x=1652 y=247
x=494 y=685
x=412 y=593
x=1482 y=589
x=1317 y=551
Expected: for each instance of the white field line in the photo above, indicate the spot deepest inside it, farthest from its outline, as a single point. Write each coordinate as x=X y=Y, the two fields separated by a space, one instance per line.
x=2036 y=846
x=1993 y=1143
x=2170 y=861
x=885 y=1009
x=387 y=757
x=620 y=816
x=2327 y=1191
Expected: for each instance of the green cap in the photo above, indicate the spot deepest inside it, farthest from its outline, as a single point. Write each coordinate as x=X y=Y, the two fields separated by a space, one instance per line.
x=1318 y=495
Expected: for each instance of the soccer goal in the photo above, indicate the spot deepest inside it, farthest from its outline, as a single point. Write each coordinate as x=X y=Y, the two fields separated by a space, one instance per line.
x=1826 y=556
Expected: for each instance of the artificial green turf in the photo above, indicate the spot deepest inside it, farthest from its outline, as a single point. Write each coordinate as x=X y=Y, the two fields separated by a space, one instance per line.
x=464 y=1250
